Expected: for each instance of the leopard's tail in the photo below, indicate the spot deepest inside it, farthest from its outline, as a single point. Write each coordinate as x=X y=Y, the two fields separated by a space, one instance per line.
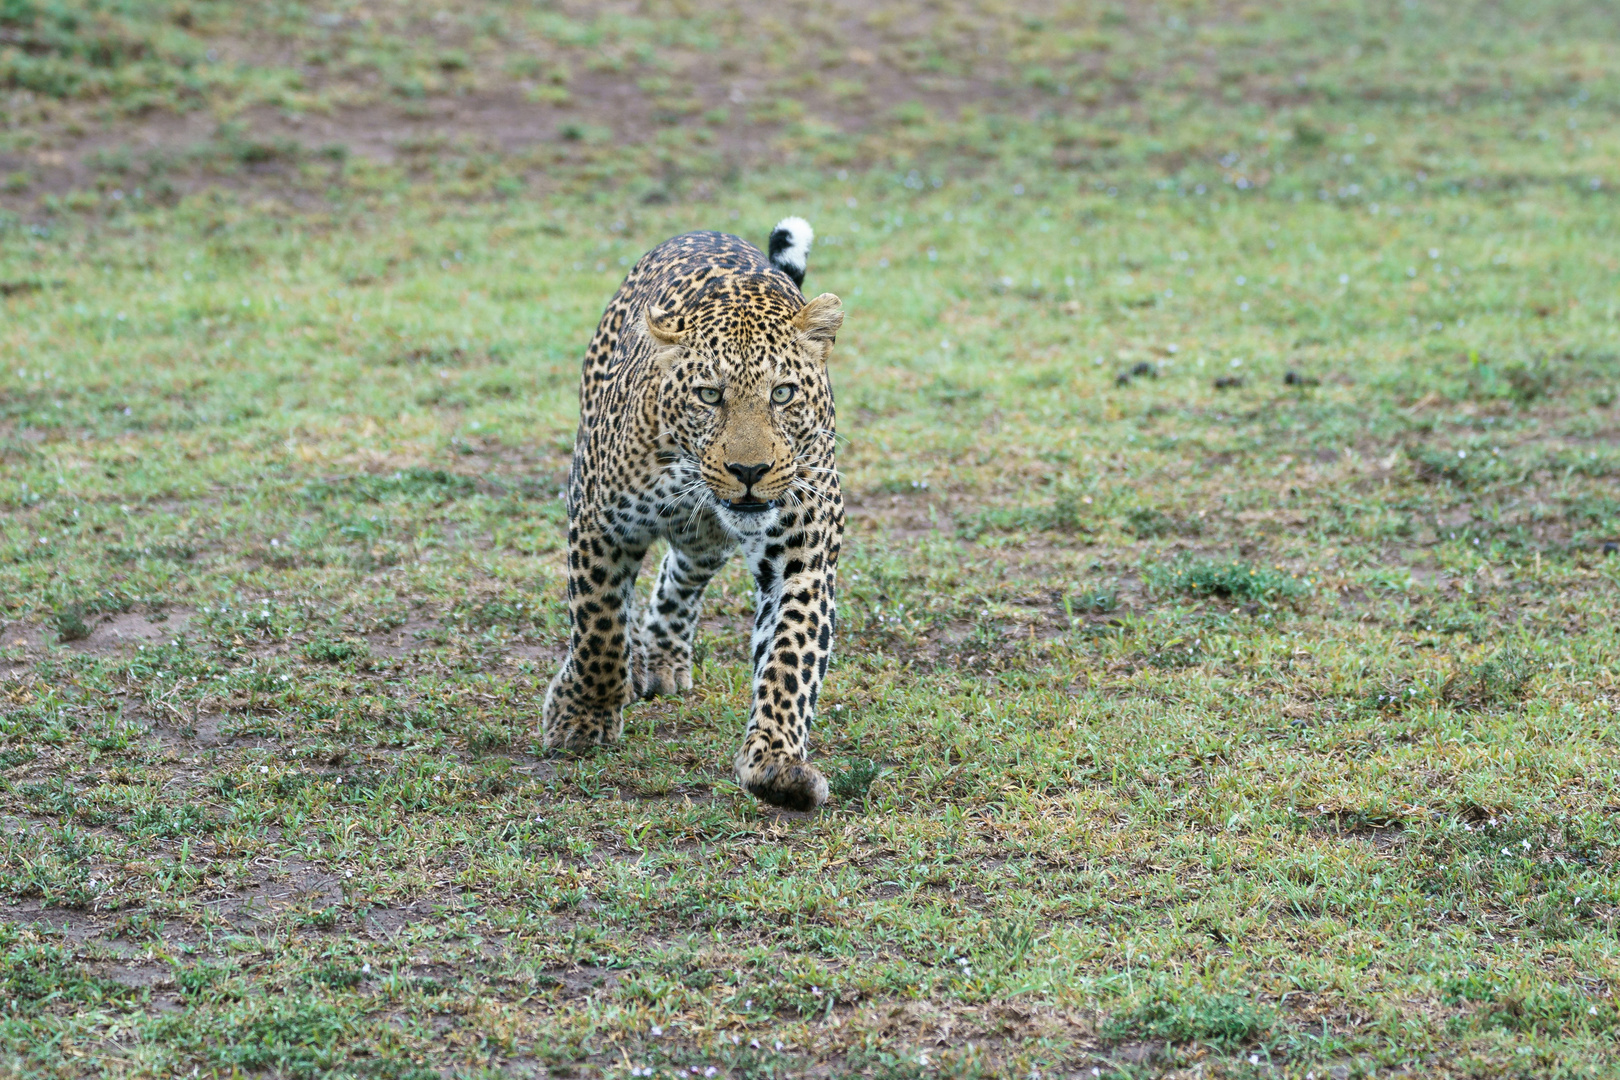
x=790 y=247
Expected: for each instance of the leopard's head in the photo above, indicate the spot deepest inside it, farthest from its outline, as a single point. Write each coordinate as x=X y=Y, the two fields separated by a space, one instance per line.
x=744 y=399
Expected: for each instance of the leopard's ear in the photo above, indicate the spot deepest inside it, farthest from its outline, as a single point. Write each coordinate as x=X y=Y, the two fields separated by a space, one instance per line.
x=665 y=329
x=820 y=319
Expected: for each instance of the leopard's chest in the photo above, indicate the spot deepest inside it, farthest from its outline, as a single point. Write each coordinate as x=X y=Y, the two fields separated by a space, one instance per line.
x=672 y=505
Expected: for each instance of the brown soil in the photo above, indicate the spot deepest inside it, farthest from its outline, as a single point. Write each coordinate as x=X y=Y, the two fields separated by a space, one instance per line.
x=849 y=76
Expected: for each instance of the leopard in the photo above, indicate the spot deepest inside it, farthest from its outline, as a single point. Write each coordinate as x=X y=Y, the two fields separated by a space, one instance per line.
x=706 y=420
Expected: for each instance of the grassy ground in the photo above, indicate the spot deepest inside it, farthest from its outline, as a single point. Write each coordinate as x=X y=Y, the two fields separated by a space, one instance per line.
x=1228 y=664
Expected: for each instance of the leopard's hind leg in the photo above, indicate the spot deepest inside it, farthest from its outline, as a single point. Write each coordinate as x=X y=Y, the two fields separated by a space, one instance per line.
x=669 y=624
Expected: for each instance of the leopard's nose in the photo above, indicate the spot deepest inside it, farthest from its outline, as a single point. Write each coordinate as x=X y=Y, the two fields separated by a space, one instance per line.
x=749 y=475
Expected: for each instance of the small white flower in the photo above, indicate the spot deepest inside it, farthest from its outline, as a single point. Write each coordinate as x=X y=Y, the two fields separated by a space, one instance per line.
x=657 y=1031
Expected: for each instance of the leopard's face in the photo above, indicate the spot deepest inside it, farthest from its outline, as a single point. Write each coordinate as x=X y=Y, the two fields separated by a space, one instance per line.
x=746 y=402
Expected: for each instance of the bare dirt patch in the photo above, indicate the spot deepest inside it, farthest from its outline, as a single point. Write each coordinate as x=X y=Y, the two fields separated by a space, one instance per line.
x=109 y=633
x=730 y=101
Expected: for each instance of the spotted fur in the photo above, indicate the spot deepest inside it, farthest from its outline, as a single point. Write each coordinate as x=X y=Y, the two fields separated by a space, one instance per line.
x=706 y=419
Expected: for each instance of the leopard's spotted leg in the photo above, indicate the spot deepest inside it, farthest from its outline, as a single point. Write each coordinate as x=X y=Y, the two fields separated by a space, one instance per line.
x=671 y=618
x=585 y=698
x=792 y=642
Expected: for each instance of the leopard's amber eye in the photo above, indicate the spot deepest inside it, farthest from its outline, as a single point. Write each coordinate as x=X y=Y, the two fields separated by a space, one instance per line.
x=783 y=394
x=708 y=395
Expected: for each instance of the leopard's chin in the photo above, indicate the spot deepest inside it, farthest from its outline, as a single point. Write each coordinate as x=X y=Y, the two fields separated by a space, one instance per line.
x=745 y=518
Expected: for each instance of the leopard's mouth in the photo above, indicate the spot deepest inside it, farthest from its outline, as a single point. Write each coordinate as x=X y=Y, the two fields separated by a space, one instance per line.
x=748 y=506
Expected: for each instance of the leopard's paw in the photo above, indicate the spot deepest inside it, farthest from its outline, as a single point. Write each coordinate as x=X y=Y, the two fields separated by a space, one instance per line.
x=790 y=784
x=669 y=679
x=567 y=724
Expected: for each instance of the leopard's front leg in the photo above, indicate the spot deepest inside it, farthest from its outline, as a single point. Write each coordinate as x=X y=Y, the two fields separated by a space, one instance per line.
x=794 y=570
x=585 y=698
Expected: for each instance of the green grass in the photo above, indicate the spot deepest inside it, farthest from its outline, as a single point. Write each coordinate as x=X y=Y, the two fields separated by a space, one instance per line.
x=1253 y=712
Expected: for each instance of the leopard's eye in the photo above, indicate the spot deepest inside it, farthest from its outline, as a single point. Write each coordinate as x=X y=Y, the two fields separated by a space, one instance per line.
x=783 y=394
x=708 y=395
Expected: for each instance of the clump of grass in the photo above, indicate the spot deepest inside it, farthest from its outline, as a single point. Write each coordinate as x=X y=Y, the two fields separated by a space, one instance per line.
x=854 y=780
x=1522 y=382
x=1458 y=467
x=489 y=612
x=1500 y=1005
x=1090 y=602
x=1229 y=581
x=1496 y=682
x=201 y=981
x=1451 y=618
x=153 y=822
x=1395 y=699
x=338 y=975
x=326 y=650
x=1066 y=513
x=35 y=975
x=1147 y=522
x=1224 y=1021
x=235 y=143
x=902 y=486
x=166 y=552
x=319 y=918
x=488 y=737
x=1144 y=522
x=1009 y=942
x=70 y=624
x=414 y=483
x=1528 y=382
